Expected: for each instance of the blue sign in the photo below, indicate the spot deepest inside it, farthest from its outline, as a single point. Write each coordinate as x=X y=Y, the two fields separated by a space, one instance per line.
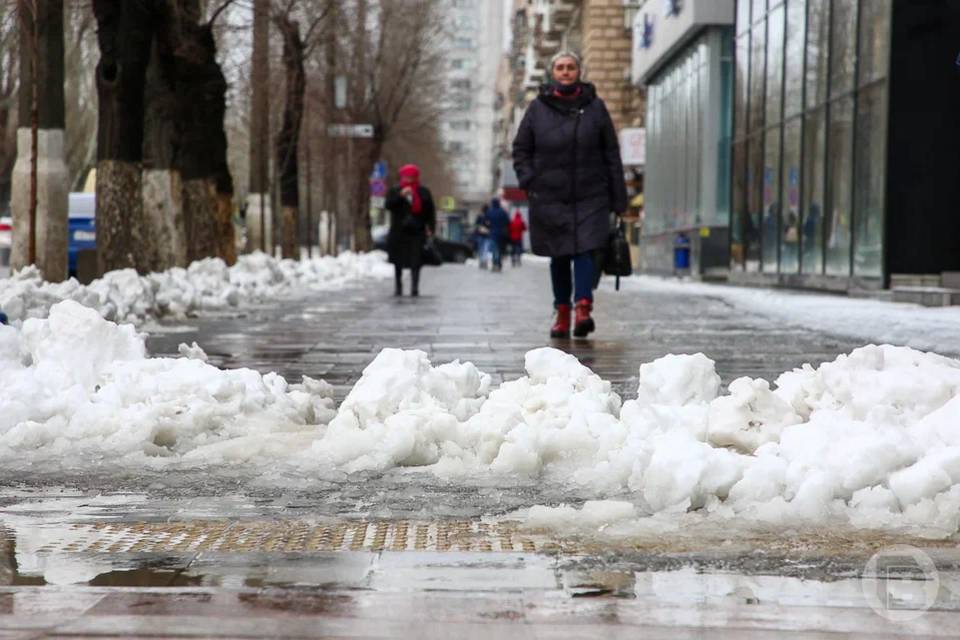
x=646 y=40
x=378 y=188
x=379 y=170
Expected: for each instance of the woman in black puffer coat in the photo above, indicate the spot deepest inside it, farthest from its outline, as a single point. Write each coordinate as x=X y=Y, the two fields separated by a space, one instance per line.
x=567 y=157
x=413 y=218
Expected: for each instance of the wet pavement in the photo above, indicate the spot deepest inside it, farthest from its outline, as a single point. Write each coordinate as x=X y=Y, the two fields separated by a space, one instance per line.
x=238 y=553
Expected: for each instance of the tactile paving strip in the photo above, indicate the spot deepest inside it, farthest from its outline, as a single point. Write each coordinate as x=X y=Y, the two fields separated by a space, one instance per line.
x=296 y=536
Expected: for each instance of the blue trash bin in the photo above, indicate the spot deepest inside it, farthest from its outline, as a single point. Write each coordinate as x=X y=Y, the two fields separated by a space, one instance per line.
x=82 y=230
x=681 y=252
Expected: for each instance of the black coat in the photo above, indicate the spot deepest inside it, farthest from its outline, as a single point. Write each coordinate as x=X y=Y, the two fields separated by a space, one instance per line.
x=408 y=232
x=567 y=157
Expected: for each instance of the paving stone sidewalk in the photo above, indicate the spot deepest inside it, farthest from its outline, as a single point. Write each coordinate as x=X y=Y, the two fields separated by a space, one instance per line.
x=492 y=320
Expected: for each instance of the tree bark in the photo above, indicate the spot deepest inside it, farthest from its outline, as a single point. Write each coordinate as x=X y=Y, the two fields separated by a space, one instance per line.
x=201 y=157
x=288 y=140
x=124 y=35
x=258 y=210
x=40 y=199
x=162 y=183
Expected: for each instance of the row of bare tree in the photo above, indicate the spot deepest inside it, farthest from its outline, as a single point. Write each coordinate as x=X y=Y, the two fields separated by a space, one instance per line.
x=177 y=93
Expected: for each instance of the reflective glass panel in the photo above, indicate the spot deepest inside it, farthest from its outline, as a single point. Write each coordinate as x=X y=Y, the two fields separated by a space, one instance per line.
x=818 y=44
x=759 y=8
x=843 y=45
x=775 y=66
x=811 y=222
x=874 y=40
x=757 y=75
x=743 y=16
x=740 y=224
x=840 y=175
x=742 y=85
x=754 y=202
x=790 y=197
x=868 y=187
x=793 y=52
x=770 y=242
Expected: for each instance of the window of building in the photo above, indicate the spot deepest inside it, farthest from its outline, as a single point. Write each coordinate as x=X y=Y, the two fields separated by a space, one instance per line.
x=809 y=152
x=871 y=170
x=790 y=197
x=775 y=66
x=814 y=157
x=839 y=213
x=770 y=245
x=843 y=46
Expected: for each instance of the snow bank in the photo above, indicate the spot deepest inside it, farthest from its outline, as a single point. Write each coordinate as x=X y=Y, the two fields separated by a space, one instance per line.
x=125 y=296
x=872 y=438
x=76 y=385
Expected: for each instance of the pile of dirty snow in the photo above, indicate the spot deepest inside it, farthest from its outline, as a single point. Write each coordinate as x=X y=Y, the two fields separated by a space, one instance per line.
x=125 y=296
x=76 y=385
x=872 y=438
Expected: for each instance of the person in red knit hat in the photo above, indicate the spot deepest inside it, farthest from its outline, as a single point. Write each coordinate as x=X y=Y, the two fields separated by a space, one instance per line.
x=413 y=218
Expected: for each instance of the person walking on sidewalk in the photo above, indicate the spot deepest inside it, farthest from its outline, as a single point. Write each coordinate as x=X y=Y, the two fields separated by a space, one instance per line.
x=498 y=222
x=567 y=157
x=413 y=218
x=517 y=228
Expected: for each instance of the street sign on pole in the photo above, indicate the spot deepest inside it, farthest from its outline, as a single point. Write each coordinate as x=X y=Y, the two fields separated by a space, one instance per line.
x=378 y=188
x=350 y=130
x=379 y=170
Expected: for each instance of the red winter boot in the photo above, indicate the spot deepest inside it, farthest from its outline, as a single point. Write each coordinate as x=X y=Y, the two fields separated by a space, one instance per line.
x=583 y=323
x=561 y=328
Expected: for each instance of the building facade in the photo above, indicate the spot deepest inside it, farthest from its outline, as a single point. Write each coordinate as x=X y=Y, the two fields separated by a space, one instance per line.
x=844 y=151
x=683 y=55
x=474 y=49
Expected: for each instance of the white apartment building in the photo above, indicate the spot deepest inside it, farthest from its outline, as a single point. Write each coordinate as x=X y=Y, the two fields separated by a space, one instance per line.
x=474 y=50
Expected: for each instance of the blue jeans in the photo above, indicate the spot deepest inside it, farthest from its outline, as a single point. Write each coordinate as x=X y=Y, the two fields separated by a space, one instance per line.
x=581 y=284
x=493 y=249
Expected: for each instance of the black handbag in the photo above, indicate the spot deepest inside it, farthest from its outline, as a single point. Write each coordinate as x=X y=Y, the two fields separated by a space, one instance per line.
x=430 y=255
x=617 y=261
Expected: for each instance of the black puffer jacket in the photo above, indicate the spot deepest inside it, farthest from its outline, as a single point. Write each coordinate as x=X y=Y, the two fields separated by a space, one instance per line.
x=567 y=157
x=408 y=232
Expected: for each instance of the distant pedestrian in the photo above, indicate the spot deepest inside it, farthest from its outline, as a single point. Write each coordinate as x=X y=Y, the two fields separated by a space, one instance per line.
x=498 y=221
x=413 y=218
x=480 y=233
x=517 y=228
x=567 y=158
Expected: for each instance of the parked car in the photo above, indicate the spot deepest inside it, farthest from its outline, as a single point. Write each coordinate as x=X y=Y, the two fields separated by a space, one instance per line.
x=451 y=250
x=6 y=240
x=82 y=232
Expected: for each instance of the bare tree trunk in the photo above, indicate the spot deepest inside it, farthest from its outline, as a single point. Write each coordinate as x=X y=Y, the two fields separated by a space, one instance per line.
x=162 y=184
x=258 y=210
x=124 y=34
x=39 y=202
x=289 y=136
x=201 y=157
x=331 y=155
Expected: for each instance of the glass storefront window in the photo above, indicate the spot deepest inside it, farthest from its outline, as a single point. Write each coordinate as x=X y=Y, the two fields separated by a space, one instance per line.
x=811 y=222
x=869 y=183
x=796 y=36
x=741 y=93
x=759 y=9
x=843 y=46
x=754 y=202
x=840 y=172
x=775 y=66
x=818 y=46
x=743 y=16
x=790 y=197
x=758 y=41
x=738 y=231
x=770 y=241
x=874 y=40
